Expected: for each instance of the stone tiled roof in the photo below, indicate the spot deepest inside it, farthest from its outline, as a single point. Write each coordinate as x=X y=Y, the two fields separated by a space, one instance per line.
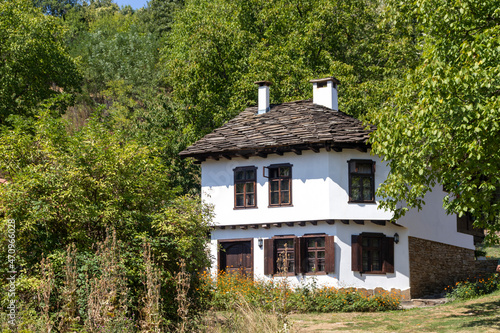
x=292 y=126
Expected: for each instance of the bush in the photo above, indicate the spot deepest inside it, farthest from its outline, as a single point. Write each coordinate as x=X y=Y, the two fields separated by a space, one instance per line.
x=227 y=289
x=473 y=288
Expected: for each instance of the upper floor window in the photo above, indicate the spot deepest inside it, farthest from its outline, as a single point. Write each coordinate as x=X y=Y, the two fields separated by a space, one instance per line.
x=245 y=195
x=361 y=181
x=280 y=184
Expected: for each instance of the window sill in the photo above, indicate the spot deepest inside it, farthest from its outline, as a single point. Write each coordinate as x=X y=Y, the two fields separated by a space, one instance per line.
x=374 y=273
x=278 y=206
x=281 y=274
x=314 y=273
x=362 y=202
x=243 y=208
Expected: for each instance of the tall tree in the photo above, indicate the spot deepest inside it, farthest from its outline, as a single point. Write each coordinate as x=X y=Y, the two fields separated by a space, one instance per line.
x=442 y=125
x=217 y=49
x=34 y=64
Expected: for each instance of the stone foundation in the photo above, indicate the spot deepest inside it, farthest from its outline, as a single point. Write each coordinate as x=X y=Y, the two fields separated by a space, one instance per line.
x=404 y=295
x=433 y=266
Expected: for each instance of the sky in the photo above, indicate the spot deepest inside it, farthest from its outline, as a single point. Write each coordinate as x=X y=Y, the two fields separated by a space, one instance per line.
x=136 y=4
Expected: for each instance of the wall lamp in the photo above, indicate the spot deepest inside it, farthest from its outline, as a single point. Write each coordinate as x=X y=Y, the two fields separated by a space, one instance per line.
x=396 y=238
x=261 y=243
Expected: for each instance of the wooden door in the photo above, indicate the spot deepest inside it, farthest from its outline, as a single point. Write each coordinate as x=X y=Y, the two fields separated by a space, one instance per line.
x=236 y=257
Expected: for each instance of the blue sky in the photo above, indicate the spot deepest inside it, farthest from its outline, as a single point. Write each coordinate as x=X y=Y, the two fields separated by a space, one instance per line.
x=136 y=4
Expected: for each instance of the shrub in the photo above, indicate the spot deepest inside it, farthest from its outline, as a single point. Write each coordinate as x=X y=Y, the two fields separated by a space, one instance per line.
x=468 y=289
x=228 y=289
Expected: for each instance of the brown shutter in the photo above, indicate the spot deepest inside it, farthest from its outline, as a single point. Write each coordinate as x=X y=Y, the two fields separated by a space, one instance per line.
x=298 y=255
x=330 y=254
x=388 y=253
x=356 y=256
x=268 y=257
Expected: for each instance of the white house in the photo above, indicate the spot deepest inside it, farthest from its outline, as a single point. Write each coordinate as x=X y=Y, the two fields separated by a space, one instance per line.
x=298 y=177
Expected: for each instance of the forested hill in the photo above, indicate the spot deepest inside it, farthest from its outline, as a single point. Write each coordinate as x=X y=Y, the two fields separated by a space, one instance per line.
x=96 y=102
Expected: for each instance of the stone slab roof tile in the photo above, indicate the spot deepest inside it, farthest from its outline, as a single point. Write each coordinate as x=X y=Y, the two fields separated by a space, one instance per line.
x=288 y=124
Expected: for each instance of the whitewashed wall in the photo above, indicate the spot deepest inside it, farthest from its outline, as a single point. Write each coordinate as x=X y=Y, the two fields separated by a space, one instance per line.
x=319 y=188
x=434 y=224
x=343 y=276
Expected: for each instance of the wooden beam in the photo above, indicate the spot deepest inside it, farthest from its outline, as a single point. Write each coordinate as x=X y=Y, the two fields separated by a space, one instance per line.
x=200 y=159
x=378 y=222
x=279 y=152
x=243 y=227
x=361 y=149
x=359 y=221
x=261 y=154
x=290 y=224
x=330 y=222
x=345 y=221
x=302 y=223
x=277 y=225
x=266 y=226
x=233 y=227
x=314 y=222
x=314 y=149
x=222 y=227
x=328 y=146
x=255 y=226
x=245 y=156
x=297 y=151
x=226 y=156
x=337 y=149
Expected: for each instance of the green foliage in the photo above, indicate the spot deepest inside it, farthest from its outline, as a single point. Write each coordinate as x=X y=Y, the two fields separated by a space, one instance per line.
x=35 y=65
x=473 y=288
x=217 y=49
x=442 y=123
x=229 y=288
x=55 y=7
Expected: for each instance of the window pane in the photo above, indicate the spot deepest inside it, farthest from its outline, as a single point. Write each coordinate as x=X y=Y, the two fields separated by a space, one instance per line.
x=239 y=175
x=239 y=200
x=365 y=241
x=321 y=254
x=356 y=188
x=275 y=186
x=285 y=171
x=239 y=187
x=311 y=242
x=376 y=261
x=275 y=198
x=311 y=255
x=250 y=200
x=321 y=266
x=285 y=184
x=375 y=242
x=250 y=174
x=320 y=242
x=311 y=266
x=285 y=197
x=364 y=167
x=250 y=187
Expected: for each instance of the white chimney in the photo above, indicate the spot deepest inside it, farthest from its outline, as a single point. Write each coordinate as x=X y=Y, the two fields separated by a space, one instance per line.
x=263 y=99
x=325 y=92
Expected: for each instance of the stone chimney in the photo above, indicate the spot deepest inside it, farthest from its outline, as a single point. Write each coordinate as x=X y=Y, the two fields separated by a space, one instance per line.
x=325 y=92
x=263 y=99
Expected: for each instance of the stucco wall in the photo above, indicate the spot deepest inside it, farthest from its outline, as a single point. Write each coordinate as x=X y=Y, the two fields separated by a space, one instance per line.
x=343 y=277
x=319 y=188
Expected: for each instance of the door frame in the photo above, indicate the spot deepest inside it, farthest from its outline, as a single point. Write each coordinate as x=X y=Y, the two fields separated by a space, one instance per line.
x=234 y=240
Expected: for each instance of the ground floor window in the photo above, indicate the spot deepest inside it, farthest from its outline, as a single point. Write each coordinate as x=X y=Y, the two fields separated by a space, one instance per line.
x=372 y=253
x=309 y=254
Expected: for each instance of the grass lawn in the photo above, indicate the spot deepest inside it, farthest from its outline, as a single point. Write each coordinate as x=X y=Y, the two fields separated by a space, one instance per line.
x=478 y=315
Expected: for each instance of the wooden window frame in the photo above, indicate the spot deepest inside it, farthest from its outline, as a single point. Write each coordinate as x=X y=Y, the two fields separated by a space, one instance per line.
x=371 y=176
x=300 y=255
x=245 y=181
x=279 y=178
x=386 y=249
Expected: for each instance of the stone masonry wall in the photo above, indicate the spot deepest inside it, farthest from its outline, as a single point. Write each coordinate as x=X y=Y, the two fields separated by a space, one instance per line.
x=433 y=266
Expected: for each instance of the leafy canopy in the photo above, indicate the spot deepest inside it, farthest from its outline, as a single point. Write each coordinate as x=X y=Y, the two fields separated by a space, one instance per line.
x=34 y=64
x=442 y=125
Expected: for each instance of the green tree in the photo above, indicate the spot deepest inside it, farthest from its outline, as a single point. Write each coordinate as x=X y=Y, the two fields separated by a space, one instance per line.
x=217 y=49
x=72 y=188
x=55 y=7
x=442 y=125
x=34 y=64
